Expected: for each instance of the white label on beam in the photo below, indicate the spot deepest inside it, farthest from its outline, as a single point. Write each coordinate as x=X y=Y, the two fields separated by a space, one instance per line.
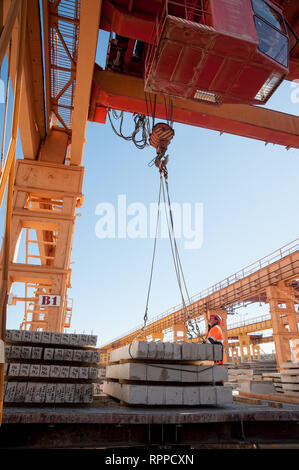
x=49 y=300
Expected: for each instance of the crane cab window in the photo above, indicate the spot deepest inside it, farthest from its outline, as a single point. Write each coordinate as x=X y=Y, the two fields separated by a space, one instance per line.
x=271 y=32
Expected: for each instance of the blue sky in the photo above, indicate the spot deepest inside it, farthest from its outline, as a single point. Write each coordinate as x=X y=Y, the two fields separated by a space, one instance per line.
x=249 y=193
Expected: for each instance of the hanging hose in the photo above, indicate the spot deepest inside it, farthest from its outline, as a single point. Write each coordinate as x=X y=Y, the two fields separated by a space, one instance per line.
x=141 y=127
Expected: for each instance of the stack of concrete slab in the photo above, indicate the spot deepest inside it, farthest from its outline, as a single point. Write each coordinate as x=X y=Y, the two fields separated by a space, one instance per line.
x=50 y=368
x=289 y=376
x=150 y=373
x=252 y=377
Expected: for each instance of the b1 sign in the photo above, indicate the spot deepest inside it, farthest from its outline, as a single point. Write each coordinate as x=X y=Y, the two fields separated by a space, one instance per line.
x=48 y=300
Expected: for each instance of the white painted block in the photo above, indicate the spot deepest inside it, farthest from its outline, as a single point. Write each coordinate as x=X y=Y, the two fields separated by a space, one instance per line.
x=207 y=395
x=50 y=393
x=174 y=395
x=191 y=396
x=224 y=395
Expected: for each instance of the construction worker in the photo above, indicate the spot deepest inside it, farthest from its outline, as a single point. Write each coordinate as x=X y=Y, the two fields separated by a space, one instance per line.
x=214 y=333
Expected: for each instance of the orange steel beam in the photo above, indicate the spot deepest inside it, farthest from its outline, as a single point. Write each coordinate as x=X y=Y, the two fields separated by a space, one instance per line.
x=251 y=287
x=126 y=93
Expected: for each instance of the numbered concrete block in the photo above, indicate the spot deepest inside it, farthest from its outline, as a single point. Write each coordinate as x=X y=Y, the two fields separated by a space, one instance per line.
x=74 y=372
x=26 y=336
x=69 y=393
x=36 y=337
x=55 y=338
x=92 y=340
x=34 y=370
x=64 y=372
x=65 y=338
x=14 y=370
x=36 y=353
x=60 y=393
x=49 y=354
x=55 y=371
x=58 y=354
x=10 y=392
x=46 y=337
x=26 y=352
x=15 y=352
x=50 y=393
x=44 y=371
x=30 y=390
x=68 y=355
x=77 y=355
x=24 y=370
x=20 y=393
x=40 y=393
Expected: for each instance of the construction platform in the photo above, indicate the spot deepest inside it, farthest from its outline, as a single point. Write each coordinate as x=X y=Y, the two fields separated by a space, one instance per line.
x=108 y=424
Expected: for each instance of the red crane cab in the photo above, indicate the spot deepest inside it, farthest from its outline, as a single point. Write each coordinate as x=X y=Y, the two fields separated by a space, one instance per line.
x=218 y=51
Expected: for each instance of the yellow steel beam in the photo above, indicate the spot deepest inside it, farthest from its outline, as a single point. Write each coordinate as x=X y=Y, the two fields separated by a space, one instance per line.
x=88 y=37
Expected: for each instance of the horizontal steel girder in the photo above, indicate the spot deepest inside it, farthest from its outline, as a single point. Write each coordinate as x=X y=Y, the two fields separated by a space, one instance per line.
x=126 y=93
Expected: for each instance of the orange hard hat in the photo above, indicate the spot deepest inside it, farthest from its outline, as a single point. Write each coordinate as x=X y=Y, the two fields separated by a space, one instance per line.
x=217 y=317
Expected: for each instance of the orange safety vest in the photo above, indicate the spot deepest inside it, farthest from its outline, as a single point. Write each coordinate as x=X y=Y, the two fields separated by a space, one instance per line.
x=215 y=333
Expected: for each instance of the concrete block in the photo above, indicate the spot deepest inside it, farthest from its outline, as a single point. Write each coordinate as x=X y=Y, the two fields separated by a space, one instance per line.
x=96 y=356
x=86 y=356
x=55 y=338
x=6 y=366
x=7 y=352
x=14 y=370
x=30 y=390
x=36 y=337
x=20 y=392
x=220 y=374
x=191 y=396
x=34 y=370
x=26 y=352
x=224 y=396
x=79 y=393
x=163 y=373
x=8 y=335
x=55 y=371
x=151 y=350
x=77 y=355
x=10 y=392
x=155 y=395
x=218 y=352
x=168 y=351
x=24 y=370
x=68 y=354
x=83 y=340
x=16 y=335
x=205 y=374
x=209 y=352
x=65 y=338
x=132 y=371
x=44 y=371
x=159 y=350
x=189 y=373
x=50 y=393
x=64 y=372
x=15 y=352
x=207 y=396
x=177 y=351
x=92 y=340
x=58 y=354
x=93 y=373
x=83 y=373
x=48 y=354
x=138 y=350
x=60 y=393
x=74 y=340
x=26 y=336
x=36 y=353
x=88 y=393
x=40 y=393
x=69 y=393
x=74 y=372
x=46 y=337
x=174 y=395
x=186 y=351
